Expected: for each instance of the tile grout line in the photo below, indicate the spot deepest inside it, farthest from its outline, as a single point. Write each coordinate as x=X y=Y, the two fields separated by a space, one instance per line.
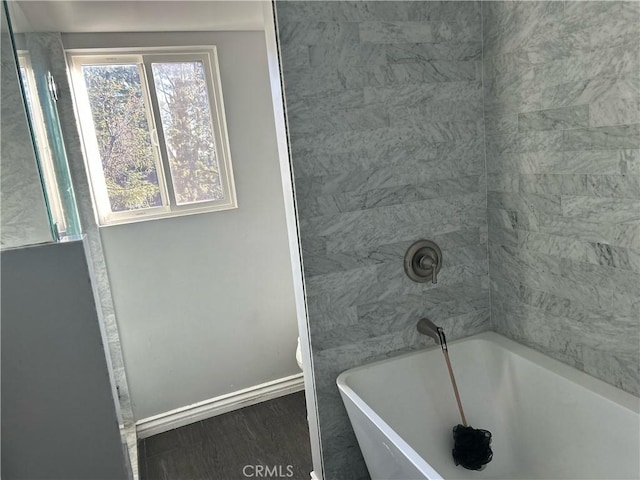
x=484 y=138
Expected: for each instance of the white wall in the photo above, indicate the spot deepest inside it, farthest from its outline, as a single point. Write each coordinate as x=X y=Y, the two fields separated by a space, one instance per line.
x=205 y=303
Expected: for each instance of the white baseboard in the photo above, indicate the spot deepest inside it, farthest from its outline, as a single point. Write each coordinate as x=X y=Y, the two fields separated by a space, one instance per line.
x=218 y=405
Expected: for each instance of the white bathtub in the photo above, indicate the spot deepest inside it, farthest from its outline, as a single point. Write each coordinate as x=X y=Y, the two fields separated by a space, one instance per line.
x=548 y=420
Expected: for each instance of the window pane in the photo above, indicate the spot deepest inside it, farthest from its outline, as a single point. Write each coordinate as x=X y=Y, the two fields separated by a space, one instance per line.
x=186 y=121
x=122 y=131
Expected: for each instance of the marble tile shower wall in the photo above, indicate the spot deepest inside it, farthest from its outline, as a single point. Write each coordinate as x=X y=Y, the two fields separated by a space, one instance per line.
x=562 y=96
x=24 y=219
x=385 y=111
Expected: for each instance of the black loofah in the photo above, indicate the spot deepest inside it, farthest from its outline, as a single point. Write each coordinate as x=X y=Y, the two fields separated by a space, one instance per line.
x=472 y=447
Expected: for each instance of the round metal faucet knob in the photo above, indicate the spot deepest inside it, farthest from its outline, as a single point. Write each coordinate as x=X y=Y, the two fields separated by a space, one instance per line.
x=423 y=261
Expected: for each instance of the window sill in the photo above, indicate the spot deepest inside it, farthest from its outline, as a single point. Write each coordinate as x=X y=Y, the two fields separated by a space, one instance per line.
x=165 y=215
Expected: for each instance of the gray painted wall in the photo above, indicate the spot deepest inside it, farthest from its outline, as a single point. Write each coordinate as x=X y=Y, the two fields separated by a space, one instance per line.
x=23 y=218
x=205 y=302
x=384 y=103
x=58 y=413
x=562 y=100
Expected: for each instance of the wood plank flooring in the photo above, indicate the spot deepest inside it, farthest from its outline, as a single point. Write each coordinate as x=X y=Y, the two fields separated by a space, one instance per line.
x=272 y=434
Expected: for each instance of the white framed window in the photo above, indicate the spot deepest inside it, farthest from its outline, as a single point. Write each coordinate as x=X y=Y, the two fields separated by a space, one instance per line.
x=154 y=132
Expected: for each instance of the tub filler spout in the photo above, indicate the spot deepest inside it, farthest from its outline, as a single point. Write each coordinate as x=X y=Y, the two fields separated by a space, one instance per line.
x=427 y=327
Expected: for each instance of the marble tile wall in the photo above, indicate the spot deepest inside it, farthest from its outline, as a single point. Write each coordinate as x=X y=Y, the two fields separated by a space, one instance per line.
x=385 y=116
x=562 y=109
x=24 y=219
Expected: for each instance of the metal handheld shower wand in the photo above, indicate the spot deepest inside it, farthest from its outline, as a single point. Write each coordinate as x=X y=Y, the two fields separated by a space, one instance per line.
x=427 y=327
x=471 y=446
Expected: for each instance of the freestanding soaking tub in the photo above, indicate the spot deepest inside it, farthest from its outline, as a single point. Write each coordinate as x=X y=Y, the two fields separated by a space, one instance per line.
x=548 y=420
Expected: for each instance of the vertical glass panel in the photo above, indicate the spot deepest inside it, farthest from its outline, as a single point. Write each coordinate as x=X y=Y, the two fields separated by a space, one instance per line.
x=122 y=130
x=55 y=202
x=185 y=112
x=37 y=60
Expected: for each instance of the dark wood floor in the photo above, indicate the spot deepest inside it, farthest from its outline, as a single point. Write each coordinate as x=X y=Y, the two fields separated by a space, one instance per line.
x=272 y=434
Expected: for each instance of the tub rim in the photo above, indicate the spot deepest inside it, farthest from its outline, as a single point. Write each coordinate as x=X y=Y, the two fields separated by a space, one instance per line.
x=583 y=380
x=605 y=390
